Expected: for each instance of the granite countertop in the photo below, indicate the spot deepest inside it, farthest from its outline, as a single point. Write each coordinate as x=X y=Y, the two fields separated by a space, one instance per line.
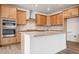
x=38 y=30
x=42 y=33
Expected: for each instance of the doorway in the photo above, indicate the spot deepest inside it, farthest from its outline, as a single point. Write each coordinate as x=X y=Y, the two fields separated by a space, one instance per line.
x=72 y=34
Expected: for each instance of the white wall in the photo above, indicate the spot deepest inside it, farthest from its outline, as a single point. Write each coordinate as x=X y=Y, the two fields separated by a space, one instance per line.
x=73 y=29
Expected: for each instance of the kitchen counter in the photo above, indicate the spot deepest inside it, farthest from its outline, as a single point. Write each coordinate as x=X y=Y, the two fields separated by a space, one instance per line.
x=35 y=30
x=42 y=33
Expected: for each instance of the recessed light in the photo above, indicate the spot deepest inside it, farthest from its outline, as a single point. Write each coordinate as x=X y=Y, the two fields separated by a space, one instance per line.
x=36 y=5
x=48 y=9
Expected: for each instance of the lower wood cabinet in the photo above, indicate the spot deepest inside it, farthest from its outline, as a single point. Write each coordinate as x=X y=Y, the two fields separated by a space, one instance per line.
x=7 y=41
x=11 y=40
x=18 y=37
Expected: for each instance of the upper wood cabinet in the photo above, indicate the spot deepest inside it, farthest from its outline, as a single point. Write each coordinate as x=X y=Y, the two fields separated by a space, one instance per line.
x=21 y=17
x=57 y=19
x=53 y=20
x=41 y=20
x=60 y=19
x=4 y=9
x=72 y=12
x=48 y=20
x=12 y=12
x=65 y=13
x=8 y=11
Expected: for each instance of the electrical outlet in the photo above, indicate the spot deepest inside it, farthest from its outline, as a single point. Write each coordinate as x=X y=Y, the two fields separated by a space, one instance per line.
x=75 y=36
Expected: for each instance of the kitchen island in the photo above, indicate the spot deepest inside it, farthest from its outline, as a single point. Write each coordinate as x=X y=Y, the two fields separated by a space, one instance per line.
x=43 y=42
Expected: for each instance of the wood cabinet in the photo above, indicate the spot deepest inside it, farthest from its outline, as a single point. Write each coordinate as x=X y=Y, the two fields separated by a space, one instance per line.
x=66 y=13
x=4 y=9
x=21 y=17
x=41 y=20
x=18 y=35
x=60 y=19
x=12 y=12
x=9 y=40
x=48 y=20
x=72 y=12
x=7 y=11
x=53 y=20
x=57 y=19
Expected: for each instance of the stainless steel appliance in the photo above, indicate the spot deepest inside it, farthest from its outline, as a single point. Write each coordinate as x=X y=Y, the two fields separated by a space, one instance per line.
x=8 y=28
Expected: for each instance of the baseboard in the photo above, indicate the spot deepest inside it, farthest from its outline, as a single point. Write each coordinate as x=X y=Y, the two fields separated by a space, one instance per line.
x=73 y=41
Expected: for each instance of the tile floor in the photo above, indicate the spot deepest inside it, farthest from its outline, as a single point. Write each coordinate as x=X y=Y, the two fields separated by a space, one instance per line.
x=72 y=48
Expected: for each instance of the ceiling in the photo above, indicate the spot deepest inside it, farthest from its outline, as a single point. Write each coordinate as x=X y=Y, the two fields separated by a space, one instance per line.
x=45 y=8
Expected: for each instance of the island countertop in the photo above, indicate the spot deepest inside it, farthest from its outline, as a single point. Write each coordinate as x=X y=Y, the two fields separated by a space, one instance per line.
x=42 y=33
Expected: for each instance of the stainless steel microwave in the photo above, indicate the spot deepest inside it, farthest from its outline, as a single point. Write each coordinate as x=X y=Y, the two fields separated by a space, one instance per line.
x=8 y=28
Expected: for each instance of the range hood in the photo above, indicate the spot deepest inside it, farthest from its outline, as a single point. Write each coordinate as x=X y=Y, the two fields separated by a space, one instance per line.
x=31 y=15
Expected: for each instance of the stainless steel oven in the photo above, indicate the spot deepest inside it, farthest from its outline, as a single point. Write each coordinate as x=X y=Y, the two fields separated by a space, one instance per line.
x=8 y=28
x=9 y=32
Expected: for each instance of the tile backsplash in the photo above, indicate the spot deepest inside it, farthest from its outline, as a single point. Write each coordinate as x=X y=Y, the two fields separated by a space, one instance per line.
x=32 y=25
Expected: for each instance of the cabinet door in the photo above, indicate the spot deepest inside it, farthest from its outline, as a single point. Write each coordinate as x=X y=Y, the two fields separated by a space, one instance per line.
x=60 y=19
x=71 y=12
x=41 y=20
x=5 y=11
x=18 y=37
x=48 y=20
x=74 y=12
x=6 y=41
x=12 y=12
x=53 y=20
x=21 y=17
x=37 y=19
x=66 y=13
x=57 y=19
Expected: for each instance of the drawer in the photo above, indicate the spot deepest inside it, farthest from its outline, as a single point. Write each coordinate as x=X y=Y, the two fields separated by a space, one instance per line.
x=6 y=41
